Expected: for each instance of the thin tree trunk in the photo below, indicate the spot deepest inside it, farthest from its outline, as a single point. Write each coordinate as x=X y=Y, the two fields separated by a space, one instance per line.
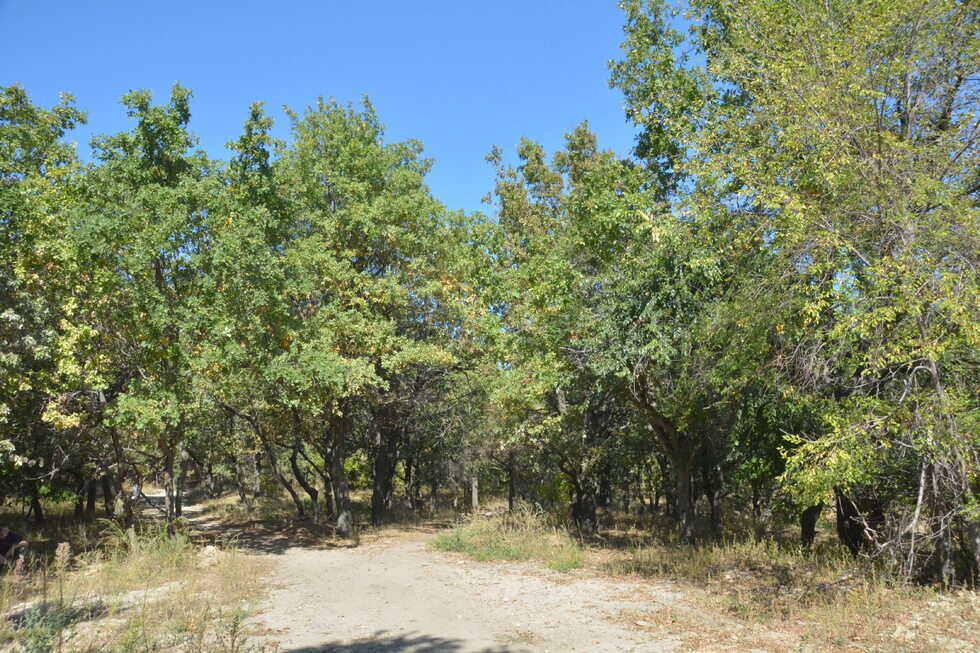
x=511 y=482
x=168 y=486
x=433 y=489
x=716 y=492
x=36 y=510
x=181 y=479
x=305 y=484
x=384 y=467
x=91 y=494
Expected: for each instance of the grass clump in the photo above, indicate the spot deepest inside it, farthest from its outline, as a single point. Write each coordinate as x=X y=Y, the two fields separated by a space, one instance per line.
x=522 y=535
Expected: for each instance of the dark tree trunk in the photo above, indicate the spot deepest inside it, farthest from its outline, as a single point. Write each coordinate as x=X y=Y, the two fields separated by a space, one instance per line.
x=433 y=492
x=107 y=497
x=313 y=493
x=409 y=461
x=209 y=487
x=584 y=505
x=181 y=480
x=36 y=510
x=240 y=483
x=604 y=492
x=253 y=460
x=168 y=485
x=336 y=455
x=511 y=482
x=685 y=503
x=91 y=494
x=384 y=466
x=124 y=510
x=756 y=499
x=715 y=494
x=808 y=525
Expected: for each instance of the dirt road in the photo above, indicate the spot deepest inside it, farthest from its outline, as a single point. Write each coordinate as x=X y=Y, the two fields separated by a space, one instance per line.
x=399 y=595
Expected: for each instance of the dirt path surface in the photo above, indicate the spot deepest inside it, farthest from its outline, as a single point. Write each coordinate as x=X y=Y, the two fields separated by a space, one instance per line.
x=399 y=595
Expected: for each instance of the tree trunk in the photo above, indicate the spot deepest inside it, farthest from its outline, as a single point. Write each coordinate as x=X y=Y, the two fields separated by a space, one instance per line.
x=327 y=508
x=756 y=499
x=91 y=494
x=973 y=543
x=36 y=510
x=433 y=490
x=808 y=525
x=253 y=459
x=276 y=472
x=715 y=493
x=409 y=461
x=685 y=503
x=304 y=483
x=181 y=479
x=107 y=497
x=240 y=482
x=604 y=492
x=584 y=505
x=384 y=467
x=511 y=483
x=168 y=486
x=336 y=455
x=475 y=491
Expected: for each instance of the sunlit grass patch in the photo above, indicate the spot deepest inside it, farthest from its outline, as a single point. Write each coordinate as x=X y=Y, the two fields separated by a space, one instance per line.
x=523 y=535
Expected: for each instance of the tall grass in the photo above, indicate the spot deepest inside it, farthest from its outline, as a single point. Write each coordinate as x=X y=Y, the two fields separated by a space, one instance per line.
x=146 y=591
x=525 y=534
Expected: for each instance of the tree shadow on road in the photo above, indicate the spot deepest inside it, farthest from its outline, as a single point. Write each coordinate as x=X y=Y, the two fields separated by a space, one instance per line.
x=381 y=642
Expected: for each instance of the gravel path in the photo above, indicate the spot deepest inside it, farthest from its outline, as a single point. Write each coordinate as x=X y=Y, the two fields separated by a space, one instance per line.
x=400 y=596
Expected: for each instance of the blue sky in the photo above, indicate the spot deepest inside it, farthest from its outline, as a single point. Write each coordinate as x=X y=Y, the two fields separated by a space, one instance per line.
x=458 y=75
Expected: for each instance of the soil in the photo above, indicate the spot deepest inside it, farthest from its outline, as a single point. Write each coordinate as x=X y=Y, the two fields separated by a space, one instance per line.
x=399 y=595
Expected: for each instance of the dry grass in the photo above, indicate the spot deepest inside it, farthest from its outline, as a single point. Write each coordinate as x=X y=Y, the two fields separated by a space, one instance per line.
x=150 y=592
x=826 y=600
x=525 y=534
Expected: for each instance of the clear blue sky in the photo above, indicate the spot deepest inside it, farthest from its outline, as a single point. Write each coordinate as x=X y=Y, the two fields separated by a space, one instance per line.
x=459 y=75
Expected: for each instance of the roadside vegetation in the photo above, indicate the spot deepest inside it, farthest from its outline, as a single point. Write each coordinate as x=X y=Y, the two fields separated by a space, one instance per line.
x=145 y=588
